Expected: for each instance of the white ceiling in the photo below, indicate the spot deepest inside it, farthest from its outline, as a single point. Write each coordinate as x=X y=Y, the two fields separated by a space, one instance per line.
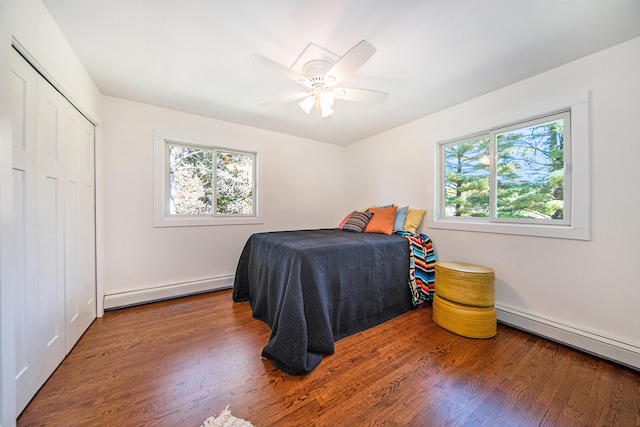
x=194 y=55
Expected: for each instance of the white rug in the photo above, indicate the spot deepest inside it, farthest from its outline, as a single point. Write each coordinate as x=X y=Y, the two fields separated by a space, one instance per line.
x=225 y=419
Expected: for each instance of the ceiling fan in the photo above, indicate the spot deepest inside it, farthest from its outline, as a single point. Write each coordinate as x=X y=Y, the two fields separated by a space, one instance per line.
x=321 y=77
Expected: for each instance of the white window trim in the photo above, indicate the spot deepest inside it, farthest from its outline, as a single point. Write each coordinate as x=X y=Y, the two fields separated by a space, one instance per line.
x=161 y=217
x=579 y=227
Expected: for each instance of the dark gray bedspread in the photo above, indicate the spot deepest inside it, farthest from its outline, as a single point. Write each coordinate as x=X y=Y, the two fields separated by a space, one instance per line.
x=314 y=287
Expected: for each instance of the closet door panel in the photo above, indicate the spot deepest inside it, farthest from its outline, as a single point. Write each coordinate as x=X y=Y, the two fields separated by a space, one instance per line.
x=20 y=267
x=19 y=213
x=29 y=325
x=54 y=227
x=72 y=282
x=79 y=226
x=50 y=224
x=87 y=224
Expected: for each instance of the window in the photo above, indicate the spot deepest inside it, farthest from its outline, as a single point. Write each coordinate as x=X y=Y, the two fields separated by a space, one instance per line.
x=525 y=182
x=530 y=177
x=467 y=178
x=531 y=161
x=204 y=185
x=193 y=178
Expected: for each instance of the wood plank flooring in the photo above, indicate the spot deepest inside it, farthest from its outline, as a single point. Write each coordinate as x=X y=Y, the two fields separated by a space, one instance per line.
x=177 y=362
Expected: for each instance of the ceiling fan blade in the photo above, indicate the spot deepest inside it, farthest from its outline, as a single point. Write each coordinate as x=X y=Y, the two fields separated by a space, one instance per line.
x=350 y=62
x=286 y=98
x=281 y=69
x=360 y=95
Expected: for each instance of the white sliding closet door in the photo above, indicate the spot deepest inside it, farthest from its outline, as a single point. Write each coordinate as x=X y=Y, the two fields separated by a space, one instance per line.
x=79 y=226
x=54 y=232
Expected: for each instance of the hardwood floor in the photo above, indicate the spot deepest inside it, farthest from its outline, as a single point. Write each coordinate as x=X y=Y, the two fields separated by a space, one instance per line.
x=177 y=362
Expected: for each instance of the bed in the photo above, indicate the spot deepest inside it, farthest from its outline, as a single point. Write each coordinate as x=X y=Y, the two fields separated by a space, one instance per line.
x=314 y=287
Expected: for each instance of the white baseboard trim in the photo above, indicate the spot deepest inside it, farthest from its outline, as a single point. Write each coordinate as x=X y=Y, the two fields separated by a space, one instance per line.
x=142 y=296
x=605 y=347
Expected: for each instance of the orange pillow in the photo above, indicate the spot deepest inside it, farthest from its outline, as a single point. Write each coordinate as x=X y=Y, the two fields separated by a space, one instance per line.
x=382 y=220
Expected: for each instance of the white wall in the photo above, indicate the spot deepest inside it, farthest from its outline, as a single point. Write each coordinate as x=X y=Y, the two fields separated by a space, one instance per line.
x=586 y=288
x=303 y=188
x=29 y=25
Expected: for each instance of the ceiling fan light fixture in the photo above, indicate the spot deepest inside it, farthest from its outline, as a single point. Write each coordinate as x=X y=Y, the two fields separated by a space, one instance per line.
x=307 y=104
x=326 y=101
x=325 y=111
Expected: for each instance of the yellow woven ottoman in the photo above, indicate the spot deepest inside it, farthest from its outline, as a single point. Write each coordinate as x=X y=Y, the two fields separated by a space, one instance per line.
x=464 y=320
x=465 y=283
x=464 y=298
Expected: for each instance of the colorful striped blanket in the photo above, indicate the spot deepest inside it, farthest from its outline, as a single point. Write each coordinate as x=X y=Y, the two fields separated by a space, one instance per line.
x=422 y=263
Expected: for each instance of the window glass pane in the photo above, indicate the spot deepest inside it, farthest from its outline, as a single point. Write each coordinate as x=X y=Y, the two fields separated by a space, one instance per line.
x=234 y=183
x=467 y=179
x=530 y=172
x=190 y=177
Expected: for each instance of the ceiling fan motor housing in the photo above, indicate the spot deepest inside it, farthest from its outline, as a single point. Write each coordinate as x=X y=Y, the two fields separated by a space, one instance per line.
x=316 y=72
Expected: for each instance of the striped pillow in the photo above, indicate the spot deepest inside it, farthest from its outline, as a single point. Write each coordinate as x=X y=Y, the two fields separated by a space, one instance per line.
x=357 y=222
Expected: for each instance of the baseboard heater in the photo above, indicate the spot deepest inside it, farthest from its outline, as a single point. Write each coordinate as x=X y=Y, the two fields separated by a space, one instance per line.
x=605 y=347
x=608 y=348
x=159 y=293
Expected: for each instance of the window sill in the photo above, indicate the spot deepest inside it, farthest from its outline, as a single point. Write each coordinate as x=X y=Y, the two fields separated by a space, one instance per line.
x=549 y=231
x=199 y=222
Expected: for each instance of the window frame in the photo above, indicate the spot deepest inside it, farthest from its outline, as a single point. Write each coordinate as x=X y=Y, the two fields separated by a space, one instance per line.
x=576 y=222
x=162 y=217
